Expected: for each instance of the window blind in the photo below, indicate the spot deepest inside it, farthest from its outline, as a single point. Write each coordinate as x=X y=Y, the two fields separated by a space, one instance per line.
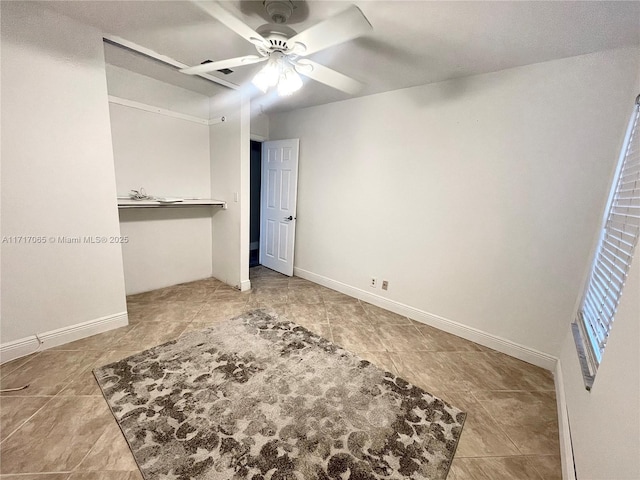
x=615 y=250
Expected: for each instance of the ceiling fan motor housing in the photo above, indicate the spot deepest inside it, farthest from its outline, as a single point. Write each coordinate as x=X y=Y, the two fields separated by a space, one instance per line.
x=279 y=10
x=277 y=36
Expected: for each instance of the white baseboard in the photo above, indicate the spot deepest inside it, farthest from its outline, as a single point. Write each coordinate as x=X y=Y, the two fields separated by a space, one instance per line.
x=18 y=348
x=245 y=286
x=566 y=447
x=500 y=344
x=54 y=338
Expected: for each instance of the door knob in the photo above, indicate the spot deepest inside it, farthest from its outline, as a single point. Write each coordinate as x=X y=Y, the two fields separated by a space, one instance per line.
x=289 y=218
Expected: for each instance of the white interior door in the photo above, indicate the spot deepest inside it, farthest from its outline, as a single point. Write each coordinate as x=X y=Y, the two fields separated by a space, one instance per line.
x=278 y=204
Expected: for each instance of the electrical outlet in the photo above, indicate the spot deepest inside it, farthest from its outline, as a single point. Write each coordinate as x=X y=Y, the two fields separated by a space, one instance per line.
x=385 y=285
x=374 y=282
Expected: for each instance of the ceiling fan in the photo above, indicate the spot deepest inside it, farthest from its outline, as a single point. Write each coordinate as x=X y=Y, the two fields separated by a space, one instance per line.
x=285 y=51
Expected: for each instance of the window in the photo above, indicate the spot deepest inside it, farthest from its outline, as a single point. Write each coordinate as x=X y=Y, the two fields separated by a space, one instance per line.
x=613 y=256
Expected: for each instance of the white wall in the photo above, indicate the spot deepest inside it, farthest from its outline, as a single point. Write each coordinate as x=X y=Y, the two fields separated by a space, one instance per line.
x=230 y=182
x=605 y=422
x=167 y=156
x=165 y=246
x=476 y=198
x=259 y=125
x=57 y=175
x=124 y=83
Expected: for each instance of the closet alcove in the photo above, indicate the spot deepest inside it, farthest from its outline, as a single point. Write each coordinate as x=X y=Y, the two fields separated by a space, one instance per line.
x=184 y=142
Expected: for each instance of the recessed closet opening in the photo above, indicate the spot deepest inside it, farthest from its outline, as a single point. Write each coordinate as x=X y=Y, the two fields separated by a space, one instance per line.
x=169 y=134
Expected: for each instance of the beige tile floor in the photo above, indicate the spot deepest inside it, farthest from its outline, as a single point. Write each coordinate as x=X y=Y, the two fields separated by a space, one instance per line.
x=60 y=428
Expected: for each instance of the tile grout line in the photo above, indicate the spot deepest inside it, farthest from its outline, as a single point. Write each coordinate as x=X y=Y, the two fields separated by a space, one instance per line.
x=63 y=472
x=533 y=465
x=74 y=469
x=496 y=421
x=64 y=383
x=33 y=355
x=23 y=423
x=518 y=455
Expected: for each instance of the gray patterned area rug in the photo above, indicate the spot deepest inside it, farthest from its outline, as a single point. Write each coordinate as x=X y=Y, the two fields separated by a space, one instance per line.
x=260 y=398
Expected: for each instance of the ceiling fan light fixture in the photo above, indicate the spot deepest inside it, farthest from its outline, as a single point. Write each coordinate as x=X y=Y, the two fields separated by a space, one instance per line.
x=261 y=81
x=289 y=83
x=269 y=75
x=278 y=71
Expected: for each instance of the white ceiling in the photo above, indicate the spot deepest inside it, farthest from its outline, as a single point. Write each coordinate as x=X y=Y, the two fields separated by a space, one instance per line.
x=412 y=43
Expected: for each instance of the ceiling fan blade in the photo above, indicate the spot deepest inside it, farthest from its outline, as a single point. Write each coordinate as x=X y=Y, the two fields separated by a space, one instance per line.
x=337 y=29
x=330 y=77
x=232 y=22
x=229 y=63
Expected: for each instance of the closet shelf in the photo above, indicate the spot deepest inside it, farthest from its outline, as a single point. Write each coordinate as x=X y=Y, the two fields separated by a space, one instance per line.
x=199 y=202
